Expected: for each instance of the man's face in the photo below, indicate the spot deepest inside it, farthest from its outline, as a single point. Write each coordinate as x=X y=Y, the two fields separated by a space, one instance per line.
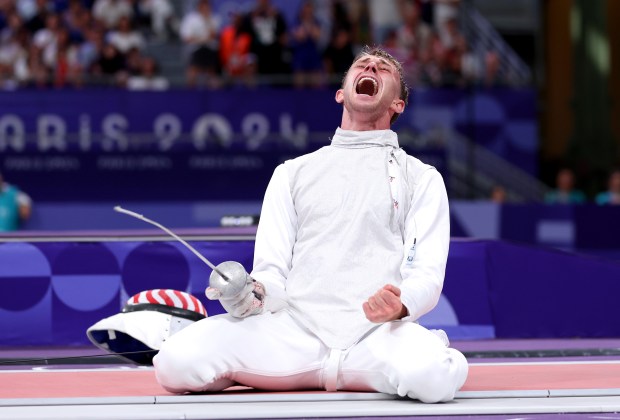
x=372 y=86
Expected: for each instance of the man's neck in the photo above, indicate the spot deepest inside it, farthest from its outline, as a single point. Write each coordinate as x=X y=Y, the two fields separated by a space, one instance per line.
x=358 y=124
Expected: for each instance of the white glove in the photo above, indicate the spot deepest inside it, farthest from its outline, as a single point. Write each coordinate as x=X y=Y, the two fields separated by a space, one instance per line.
x=250 y=301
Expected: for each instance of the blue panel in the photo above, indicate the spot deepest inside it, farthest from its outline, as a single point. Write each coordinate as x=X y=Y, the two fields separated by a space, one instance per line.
x=466 y=282
x=155 y=265
x=69 y=325
x=493 y=287
x=32 y=326
x=87 y=292
x=22 y=260
x=538 y=292
x=85 y=258
x=228 y=142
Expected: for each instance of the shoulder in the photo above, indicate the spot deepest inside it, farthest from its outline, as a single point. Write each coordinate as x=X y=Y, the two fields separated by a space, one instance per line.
x=306 y=164
x=308 y=158
x=418 y=171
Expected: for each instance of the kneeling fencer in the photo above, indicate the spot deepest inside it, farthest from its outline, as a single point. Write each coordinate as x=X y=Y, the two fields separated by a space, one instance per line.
x=350 y=251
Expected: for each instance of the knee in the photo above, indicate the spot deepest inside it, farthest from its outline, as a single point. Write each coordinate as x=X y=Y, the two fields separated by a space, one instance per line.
x=175 y=369
x=434 y=378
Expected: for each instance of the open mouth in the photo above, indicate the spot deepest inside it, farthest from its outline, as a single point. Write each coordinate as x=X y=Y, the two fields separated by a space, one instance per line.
x=367 y=86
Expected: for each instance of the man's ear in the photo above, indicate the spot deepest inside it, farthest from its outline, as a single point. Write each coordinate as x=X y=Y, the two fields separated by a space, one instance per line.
x=398 y=106
x=339 y=96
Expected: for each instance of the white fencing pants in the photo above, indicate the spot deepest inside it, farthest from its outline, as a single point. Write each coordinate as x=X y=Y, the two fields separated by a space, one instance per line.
x=273 y=352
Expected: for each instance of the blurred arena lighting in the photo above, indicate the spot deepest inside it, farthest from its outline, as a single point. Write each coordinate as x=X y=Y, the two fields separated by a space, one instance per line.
x=244 y=220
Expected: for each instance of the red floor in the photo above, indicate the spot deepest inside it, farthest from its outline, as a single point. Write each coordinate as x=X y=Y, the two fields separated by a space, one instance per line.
x=139 y=382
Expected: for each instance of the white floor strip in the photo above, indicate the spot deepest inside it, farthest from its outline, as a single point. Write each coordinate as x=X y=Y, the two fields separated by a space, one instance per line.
x=213 y=400
x=274 y=410
x=17 y=402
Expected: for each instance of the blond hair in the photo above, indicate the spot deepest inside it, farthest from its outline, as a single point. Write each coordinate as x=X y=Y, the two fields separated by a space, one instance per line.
x=380 y=52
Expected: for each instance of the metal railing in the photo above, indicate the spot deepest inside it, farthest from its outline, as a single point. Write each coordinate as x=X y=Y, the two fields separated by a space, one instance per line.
x=474 y=171
x=483 y=37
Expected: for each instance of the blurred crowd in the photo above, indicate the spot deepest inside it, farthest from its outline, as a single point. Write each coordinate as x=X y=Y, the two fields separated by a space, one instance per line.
x=70 y=43
x=566 y=190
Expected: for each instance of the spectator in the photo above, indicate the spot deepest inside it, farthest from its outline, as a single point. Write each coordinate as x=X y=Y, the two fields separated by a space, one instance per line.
x=110 y=12
x=452 y=74
x=450 y=35
x=7 y=7
x=444 y=11
x=67 y=69
x=492 y=74
x=90 y=49
x=199 y=31
x=236 y=60
x=612 y=195
x=268 y=31
x=360 y=16
x=159 y=15
x=339 y=54
x=77 y=19
x=340 y=18
x=110 y=64
x=148 y=79
x=498 y=194
x=470 y=66
x=12 y=54
x=133 y=62
x=15 y=206
x=305 y=46
x=413 y=35
x=45 y=40
x=21 y=69
x=13 y=23
x=385 y=18
x=433 y=61
x=565 y=192
x=125 y=38
x=391 y=45
x=35 y=15
x=32 y=71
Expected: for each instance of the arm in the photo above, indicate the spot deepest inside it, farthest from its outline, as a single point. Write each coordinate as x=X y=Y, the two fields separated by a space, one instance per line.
x=428 y=225
x=275 y=237
x=428 y=222
x=264 y=289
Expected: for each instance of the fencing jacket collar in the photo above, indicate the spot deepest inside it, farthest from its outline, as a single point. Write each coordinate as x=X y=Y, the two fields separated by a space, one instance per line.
x=361 y=139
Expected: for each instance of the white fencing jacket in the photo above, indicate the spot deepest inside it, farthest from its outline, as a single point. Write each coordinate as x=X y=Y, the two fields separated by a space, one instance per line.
x=340 y=223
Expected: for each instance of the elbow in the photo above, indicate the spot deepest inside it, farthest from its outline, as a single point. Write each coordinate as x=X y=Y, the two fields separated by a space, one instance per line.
x=421 y=296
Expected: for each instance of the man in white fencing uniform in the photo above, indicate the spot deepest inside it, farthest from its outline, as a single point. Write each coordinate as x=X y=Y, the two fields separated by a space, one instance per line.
x=350 y=251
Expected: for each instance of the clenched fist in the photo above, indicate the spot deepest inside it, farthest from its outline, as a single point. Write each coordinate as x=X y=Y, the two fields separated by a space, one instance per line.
x=385 y=305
